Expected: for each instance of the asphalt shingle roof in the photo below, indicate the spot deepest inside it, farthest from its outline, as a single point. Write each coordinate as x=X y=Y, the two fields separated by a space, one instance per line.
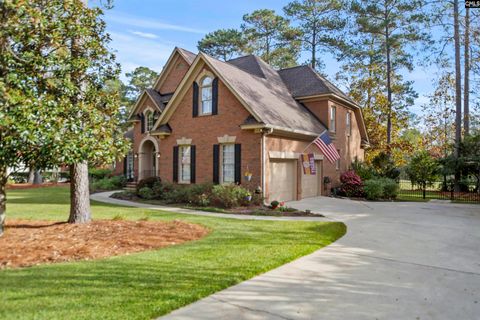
x=303 y=81
x=267 y=96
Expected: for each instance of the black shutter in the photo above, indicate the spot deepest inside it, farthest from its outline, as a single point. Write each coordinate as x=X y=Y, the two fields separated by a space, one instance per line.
x=215 y=96
x=142 y=120
x=175 y=164
x=192 y=164
x=195 y=100
x=125 y=166
x=216 y=163
x=238 y=163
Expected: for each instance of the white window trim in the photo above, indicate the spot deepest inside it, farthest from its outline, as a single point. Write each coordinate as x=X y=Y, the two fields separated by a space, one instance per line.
x=221 y=164
x=199 y=81
x=180 y=169
x=348 y=123
x=148 y=110
x=330 y=118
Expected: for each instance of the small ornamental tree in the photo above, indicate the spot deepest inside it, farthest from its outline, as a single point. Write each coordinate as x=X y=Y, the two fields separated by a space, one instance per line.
x=351 y=184
x=422 y=170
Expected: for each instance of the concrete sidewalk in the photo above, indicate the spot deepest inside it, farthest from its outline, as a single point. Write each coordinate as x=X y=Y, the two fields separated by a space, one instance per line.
x=397 y=261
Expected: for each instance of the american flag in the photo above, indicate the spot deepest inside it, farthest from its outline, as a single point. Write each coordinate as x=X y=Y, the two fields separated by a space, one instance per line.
x=324 y=143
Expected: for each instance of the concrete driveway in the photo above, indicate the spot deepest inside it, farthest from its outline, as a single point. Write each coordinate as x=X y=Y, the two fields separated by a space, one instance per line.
x=397 y=261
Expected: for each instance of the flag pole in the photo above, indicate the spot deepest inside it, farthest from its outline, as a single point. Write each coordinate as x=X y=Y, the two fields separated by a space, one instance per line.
x=321 y=134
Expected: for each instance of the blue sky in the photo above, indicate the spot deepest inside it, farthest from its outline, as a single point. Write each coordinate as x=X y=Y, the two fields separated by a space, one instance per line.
x=145 y=32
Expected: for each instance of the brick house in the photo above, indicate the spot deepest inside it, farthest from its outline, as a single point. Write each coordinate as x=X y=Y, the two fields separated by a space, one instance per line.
x=207 y=120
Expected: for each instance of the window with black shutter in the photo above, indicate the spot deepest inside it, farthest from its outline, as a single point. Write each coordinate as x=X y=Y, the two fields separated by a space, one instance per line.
x=215 y=96
x=195 y=100
x=216 y=163
x=238 y=163
x=175 y=164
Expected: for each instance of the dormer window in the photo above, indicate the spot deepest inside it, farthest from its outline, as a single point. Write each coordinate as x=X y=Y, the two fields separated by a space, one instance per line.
x=149 y=120
x=206 y=95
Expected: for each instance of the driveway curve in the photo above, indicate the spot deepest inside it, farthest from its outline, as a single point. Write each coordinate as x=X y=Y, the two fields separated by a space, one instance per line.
x=398 y=260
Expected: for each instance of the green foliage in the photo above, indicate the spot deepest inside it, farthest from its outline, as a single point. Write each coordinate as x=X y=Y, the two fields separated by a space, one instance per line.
x=271 y=37
x=274 y=203
x=164 y=279
x=223 y=44
x=373 y=189
x=385 y=166
x=98 y=174
x=146 y=193
x=139 y=80
x=148 y=182
x=380 y=188
x=320 y=24
x=390 y=188
x=106 y=184
x=364 y=171
x=423 y=169
x=229 y=195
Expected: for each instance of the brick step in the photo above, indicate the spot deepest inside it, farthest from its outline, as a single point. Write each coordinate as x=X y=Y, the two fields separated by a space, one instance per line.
x=130 y=186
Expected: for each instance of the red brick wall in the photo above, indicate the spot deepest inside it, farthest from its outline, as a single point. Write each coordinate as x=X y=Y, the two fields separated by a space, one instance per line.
x=174 y=76
x=204 y=131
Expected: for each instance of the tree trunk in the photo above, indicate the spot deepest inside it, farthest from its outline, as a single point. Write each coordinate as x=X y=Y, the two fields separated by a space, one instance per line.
x=31 y=175
x=37 y=178
x=466 y=85
x=3 y=197
x=389 y=88
x=79 y=193
x=458 y=91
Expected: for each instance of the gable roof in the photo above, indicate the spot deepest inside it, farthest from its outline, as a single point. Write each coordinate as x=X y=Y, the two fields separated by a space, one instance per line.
x=304 y=81
x=188 y=55
x=266 y=98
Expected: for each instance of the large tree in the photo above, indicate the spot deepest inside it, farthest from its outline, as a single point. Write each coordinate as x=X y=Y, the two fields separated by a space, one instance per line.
x=139 y=80
x=223 y=44
x=29 y=112
x=320 y=23
x=395 y=26
x=272 y=38
x=91 y=133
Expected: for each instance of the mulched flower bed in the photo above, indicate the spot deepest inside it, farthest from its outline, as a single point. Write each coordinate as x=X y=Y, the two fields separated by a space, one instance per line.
x=28 y=242
x=250 y=210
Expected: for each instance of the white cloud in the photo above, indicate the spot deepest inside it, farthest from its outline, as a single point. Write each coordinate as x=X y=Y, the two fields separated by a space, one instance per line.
x=150 y=24
x=144 y=34
x=132 y=51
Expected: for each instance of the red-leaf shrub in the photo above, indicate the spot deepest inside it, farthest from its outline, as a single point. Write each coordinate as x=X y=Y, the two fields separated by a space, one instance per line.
x=352 y=184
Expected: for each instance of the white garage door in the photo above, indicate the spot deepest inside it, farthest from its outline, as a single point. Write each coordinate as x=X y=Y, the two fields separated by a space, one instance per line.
x=282 y=180
x=311 y=183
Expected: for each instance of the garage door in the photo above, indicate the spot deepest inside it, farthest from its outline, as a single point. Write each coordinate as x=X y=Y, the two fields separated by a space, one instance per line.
x=311 y=183
x=282 y=180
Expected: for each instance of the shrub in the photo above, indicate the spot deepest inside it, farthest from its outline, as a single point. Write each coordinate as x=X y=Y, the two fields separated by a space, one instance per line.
x=161 y=189
x=98 y=174
x=351 y=184
x=274 y=204
x=146 y=193
x=113 y=183
x=228 y=196
x=364 y=171
x=147 y=182
x=373 y=189
x=390 y=188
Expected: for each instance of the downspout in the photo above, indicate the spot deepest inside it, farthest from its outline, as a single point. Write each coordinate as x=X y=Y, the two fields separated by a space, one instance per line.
x=265 y=132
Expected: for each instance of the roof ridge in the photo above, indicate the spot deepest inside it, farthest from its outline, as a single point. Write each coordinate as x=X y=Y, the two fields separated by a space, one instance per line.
x=299 y=66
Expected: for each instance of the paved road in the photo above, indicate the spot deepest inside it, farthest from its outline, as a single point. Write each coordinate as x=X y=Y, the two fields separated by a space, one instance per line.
x=397 y=261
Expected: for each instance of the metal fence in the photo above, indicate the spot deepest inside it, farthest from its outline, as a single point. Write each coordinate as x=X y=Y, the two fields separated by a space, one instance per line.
x=439 y=190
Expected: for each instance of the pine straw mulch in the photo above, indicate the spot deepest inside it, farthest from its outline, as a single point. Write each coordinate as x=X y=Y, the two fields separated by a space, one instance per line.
x=27 y=242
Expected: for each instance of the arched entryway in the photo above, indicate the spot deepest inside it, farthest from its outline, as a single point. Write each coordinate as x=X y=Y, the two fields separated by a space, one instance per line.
x=148 y=159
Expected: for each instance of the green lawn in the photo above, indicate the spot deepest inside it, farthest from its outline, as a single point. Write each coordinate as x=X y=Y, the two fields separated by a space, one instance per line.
x=149 y=284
